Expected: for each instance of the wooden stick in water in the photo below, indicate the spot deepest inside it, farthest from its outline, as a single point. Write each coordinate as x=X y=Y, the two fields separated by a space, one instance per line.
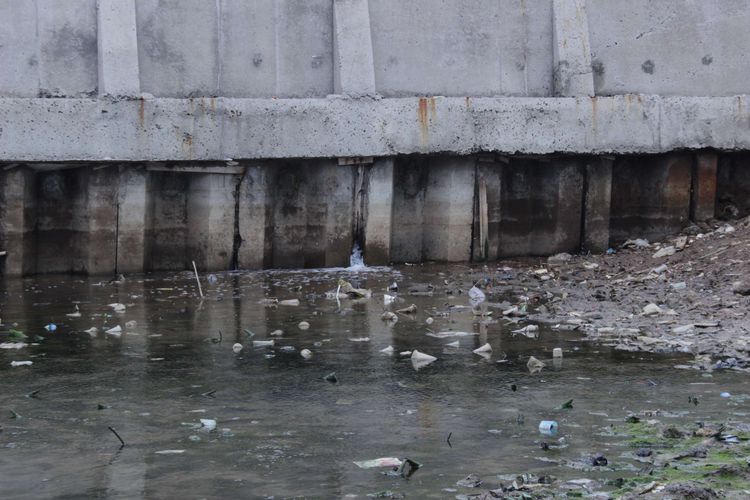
x=200 y=290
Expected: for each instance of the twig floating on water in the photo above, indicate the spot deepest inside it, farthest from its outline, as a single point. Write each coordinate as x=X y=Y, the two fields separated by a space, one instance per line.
x=209 y=394
x=122 y=443
x=448 y=440
x=33 y=394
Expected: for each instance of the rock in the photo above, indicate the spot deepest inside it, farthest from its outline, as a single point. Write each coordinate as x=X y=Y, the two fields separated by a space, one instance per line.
x=652 y=309
x=680 y=242
x=306 y=353
x=559 y=258
x=644 y=452
x=659 y=269
x=236 y=348
x=741 y=287
x=598 y=460
x=303 y=325
x=637 y=243
x=470 y=481
x=665 y=252
x=672 y=433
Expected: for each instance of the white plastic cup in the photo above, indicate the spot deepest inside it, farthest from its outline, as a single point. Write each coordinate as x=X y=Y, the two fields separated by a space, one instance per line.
x=548 y=427
x=557 y=352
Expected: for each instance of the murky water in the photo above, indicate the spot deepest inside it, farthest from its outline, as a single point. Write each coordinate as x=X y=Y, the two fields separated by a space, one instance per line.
x=281 y=429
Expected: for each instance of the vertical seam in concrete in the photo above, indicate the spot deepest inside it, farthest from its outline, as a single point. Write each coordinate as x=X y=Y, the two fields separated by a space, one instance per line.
x=584 y=169
x=237 y=241
x=219 y=41
x=39 y=61
x=276 y=22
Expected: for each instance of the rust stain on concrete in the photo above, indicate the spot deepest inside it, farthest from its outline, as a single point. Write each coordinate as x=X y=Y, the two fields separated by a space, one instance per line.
x=423 y=120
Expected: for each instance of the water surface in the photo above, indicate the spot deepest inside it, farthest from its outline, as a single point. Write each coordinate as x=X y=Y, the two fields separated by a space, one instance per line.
x=282 y=430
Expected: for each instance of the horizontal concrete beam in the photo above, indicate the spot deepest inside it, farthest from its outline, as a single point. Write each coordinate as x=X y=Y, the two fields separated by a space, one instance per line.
x=222 y=128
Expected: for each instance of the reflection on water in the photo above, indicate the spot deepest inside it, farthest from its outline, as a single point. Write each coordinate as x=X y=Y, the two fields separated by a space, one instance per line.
x=281 y=428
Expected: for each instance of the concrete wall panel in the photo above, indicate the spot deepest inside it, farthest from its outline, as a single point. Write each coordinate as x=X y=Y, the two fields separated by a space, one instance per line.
x=19 y=58
x=67 y=47
x=541 y=208
x=462 y=47
x=247 y=45
x=650 y=196
x=177 y=47
x=692 y=47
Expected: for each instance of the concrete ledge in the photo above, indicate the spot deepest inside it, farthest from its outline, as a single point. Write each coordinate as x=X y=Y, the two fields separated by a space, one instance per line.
x=221 y=128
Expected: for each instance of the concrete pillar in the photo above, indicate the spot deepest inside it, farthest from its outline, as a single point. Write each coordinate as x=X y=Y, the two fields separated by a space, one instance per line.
x=132 y=220
x=118 y=48
x=256 y=218
x=449 y=209
x=489 y=175
x=703 y=192
x=353 y=66
x=211 y=220
x=573 y=75
x=379 y=212
x=597 y=199
x=97 y=237
x=17 y=221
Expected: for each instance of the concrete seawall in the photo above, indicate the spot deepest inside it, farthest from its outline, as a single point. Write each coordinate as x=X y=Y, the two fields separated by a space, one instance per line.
x=140 y=135
x=113 y=217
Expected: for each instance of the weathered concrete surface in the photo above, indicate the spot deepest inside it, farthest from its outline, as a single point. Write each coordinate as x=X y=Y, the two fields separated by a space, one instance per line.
x=296 y=214
x=703 y=189
x=17 y=221
x=650 y=196
x=379 y=212
x=132 y=212
x=448 y=209
x=433 y=203
x=462 y=47
x=489 y=172
x=211 y=220
x=541 y=205
x=573 y=75
x=166 y=222
x=733 y=185
x=256 y=217
x=48 y=48
x=98 y=239
x=177 y=47
x=596 y=204
x=353 y=67
x=692 y=47
x=220 y=128
x=118 y=48
x=409 y=187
